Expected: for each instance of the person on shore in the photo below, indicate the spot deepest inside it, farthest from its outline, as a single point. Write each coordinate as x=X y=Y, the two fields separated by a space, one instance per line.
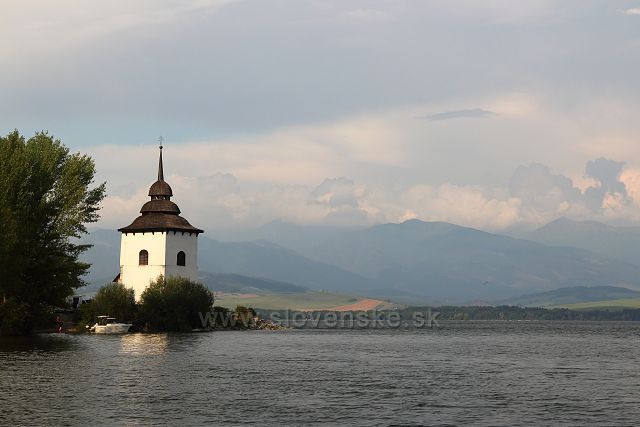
x=59 y=324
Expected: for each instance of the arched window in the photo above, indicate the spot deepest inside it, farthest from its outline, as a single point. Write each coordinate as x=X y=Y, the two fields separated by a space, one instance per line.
x=143 y=257
x=181 y=258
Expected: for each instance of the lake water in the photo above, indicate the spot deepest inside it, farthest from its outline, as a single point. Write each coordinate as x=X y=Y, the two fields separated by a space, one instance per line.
x=482 y=373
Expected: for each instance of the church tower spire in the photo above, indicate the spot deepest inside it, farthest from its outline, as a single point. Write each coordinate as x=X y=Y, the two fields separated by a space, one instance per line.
x=159 y=241
x=160 y=168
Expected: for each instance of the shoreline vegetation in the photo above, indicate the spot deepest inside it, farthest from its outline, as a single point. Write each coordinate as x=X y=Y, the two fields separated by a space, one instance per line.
x=244 y=318
x=460 y=313
x=48 y=197
x=181 y=305
x=168 y=305
x=247 y=318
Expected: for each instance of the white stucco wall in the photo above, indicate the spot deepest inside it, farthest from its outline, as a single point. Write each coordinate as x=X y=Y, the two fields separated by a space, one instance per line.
x=139 y=276
x=163 y=248
x=188 y=243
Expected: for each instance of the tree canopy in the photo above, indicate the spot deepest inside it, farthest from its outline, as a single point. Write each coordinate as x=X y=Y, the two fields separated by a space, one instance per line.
x=113 y=299
x=174 y=304
x=47 y=195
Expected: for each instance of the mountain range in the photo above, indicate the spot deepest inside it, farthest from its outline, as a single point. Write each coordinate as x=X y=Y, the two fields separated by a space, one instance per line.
x=258 y=259
x=236 y=283
x=449 y=263
x=614 y=242
x=572 y=295
x=414 y=262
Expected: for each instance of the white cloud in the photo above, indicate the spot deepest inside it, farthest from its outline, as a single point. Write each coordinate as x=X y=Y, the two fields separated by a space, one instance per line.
x=295 y=155
x=632 y=11
x=222 y=202
x=390 y=166
x=465 y=205
x=266 y=104
x=338 y=192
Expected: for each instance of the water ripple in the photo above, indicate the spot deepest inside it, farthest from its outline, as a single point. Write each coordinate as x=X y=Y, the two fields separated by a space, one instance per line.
x=484 y=373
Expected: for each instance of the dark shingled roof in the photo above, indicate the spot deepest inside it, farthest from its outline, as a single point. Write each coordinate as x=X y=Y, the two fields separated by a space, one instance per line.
x=160 y=206
x=160 y=188
x=160 y=222
x=160 y=213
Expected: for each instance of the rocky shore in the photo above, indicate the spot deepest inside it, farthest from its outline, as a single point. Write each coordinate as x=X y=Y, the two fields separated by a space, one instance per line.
x=268 y=325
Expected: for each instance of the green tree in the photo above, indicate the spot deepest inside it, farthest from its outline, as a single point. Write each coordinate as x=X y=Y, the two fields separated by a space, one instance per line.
x=244 y=315
x=46 y=198
x=174 y=304
x=113 y=299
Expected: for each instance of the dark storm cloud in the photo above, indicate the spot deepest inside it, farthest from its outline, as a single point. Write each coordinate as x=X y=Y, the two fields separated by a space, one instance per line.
x=288 y=92
x=124 y=71
x=541 y=190
x=337 y=192
x=607 y=173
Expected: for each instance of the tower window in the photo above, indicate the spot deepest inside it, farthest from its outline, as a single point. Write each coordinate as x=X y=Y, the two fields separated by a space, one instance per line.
x=143 y=257
x=181 y=258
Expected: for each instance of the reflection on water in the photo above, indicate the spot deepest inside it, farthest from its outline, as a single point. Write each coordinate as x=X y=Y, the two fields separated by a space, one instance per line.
x=485 y=373
x=38 y=343
x=143 y=344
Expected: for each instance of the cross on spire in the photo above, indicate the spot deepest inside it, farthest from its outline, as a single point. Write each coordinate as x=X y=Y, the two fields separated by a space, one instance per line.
x=160 y=168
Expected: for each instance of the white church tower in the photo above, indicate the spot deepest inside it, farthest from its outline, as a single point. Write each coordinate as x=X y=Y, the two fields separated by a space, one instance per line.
x=158 y=242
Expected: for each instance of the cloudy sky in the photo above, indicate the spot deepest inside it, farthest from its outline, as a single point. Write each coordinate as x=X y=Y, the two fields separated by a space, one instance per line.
x=500 y=115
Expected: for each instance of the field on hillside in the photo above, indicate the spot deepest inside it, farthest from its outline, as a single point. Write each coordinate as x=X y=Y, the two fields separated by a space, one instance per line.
x=616 y=304
x=299 y=301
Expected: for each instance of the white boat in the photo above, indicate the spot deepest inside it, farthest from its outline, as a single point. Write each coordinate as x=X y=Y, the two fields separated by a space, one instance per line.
x=109 y=325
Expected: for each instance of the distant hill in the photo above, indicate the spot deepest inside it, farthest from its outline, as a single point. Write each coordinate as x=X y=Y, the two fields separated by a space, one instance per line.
x=449 y=263
x=296 y=301
x=414 y=262
x=622 y=243
x=236 y=283
x=254 y=259
x=300 y=238
x=268 y=260
x=572 y=295
x=608 y=305
x=104 y=257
